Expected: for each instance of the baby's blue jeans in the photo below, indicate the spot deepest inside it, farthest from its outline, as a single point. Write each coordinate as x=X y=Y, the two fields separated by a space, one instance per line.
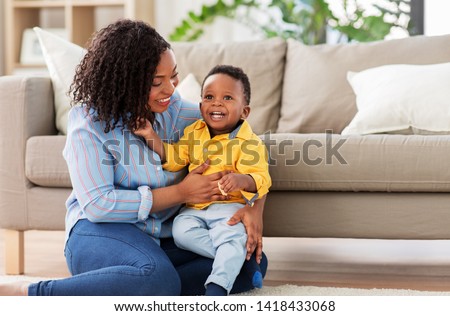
x=207 y=233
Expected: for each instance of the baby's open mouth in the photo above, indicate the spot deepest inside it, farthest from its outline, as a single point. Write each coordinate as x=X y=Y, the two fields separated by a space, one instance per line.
x=217 y=115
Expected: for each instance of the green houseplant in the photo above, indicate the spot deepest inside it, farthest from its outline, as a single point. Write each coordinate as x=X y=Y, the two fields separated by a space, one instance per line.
x=304 y=20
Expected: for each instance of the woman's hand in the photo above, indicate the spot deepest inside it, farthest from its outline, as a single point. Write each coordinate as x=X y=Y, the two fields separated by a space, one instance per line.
x=199 y=188
x=251 y=217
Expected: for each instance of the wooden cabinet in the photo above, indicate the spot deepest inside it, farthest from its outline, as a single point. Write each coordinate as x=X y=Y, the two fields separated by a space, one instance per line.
x=78 y=17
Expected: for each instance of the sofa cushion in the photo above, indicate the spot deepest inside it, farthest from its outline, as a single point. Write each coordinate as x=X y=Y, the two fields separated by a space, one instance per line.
x=395 y=98
x=44 y=163
x=308 y=162
x=316 y=94
x=383 y=163
x=61 y=58
x=262 y=60
x=190 y=89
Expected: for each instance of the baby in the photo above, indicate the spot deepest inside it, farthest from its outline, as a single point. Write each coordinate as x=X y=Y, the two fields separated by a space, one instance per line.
x=225 y=138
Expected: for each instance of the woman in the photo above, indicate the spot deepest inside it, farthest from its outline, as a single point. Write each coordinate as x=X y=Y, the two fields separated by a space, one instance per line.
x=119 y=215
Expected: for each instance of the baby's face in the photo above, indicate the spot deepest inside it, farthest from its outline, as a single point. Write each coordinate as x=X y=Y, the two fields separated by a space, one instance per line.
x=223 y=103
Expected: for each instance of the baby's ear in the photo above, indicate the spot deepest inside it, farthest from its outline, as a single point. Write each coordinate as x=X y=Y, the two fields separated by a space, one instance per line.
x=245 y=112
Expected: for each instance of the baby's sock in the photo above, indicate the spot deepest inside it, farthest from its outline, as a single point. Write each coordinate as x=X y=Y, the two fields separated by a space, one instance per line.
x=212 y=289
x=251 y=267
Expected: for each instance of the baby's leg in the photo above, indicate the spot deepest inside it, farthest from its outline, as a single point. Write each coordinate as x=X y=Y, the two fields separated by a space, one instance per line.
x=190 y=232
x=229 y=242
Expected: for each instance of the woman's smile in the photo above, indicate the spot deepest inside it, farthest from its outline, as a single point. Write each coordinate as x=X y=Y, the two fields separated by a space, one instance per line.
x=164 y=102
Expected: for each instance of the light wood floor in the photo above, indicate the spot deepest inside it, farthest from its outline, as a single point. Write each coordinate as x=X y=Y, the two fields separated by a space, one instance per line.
x=44 y=255
x=420 y=265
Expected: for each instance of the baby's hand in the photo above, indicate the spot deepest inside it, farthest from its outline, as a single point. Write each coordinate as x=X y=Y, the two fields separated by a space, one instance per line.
x=144 y=128
x=233 y=182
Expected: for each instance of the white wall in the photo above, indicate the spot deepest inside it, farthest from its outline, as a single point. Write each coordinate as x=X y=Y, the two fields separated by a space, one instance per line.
x=437 y=17
x=2 y=40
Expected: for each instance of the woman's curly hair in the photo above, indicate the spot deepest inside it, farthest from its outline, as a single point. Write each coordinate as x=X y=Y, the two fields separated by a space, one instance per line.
x=115 y=76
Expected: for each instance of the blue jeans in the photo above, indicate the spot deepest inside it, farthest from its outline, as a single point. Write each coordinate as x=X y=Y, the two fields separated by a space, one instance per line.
x=120 y=259
x=207 y=233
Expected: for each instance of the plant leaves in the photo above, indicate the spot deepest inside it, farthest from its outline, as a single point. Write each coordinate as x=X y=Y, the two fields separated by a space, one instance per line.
x=304 y=20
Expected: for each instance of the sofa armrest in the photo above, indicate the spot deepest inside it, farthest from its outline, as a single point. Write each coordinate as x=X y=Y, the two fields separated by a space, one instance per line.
x=26 y=106
x=26 y=109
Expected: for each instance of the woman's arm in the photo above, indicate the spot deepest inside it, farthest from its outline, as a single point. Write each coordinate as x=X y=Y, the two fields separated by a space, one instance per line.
x=252 y=218
x=93 y=156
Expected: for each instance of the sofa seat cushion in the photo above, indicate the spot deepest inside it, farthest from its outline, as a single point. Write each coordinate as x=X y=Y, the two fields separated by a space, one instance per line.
x=383 y=163
x=308 y=162
x=44 y=163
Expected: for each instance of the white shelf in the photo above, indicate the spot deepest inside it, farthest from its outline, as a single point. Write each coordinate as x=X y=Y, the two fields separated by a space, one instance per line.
x=78 y=15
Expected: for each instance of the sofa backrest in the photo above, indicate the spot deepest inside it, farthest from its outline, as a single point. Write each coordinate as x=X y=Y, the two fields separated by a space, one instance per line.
x=316 y=93
x=262 y=60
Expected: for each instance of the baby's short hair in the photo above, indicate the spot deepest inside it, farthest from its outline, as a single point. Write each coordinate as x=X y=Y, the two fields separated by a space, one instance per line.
x=234 y=72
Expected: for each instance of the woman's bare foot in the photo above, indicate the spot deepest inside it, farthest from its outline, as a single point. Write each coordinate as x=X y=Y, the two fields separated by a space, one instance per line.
x=19 y=288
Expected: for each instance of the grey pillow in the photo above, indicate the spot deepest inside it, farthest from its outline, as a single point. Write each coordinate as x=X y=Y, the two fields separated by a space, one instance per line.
x=316 y=93
x=262 y=60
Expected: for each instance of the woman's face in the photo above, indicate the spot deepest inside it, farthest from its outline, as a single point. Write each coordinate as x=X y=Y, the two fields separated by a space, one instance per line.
x=164 y=83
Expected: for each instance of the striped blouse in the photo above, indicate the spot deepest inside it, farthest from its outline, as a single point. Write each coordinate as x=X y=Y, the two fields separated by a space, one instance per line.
x=113 y=173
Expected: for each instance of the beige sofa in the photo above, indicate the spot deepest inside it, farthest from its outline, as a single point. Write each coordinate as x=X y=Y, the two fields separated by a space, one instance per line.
x=386 y=185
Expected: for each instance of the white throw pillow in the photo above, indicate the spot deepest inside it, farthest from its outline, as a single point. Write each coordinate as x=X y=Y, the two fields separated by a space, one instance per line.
x=190 y=89
x=398 y=97
x=61 y=58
